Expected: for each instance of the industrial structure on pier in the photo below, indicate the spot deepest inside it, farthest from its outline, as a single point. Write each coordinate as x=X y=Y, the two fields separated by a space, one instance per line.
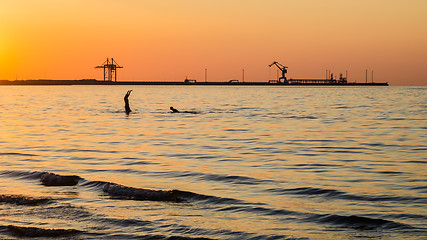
x=283 y=70
x=329 y=80
x=110 y=70
x=110 y=78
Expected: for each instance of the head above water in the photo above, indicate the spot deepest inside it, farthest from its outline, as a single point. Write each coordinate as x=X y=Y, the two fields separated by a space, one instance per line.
x=173 y=109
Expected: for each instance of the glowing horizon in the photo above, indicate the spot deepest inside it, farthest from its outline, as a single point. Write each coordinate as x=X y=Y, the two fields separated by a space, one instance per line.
x=171 y=40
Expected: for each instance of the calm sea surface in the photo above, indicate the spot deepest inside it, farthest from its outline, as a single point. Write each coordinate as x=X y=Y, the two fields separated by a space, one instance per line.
x=236 y=163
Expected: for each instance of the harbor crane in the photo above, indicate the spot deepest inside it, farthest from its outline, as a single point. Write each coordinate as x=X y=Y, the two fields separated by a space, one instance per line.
x=283 y=69
x=110 y=69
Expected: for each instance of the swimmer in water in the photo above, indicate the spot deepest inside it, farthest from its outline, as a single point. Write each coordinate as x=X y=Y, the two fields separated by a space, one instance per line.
x=174 y=110
x=126 y=98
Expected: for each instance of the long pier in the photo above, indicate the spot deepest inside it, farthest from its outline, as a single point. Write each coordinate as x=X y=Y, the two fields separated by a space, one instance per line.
x=294 y=82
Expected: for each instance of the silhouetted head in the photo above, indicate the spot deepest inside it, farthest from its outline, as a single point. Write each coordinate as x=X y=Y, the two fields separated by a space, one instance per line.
x=174 y=110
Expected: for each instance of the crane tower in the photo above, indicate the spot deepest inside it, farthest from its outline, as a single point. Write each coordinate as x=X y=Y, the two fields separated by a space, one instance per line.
x=283 y=70
x=110 y=69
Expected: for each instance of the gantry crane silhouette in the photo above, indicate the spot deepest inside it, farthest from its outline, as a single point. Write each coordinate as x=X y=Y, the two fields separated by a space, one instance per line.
x=110 y=69
x=284 y=71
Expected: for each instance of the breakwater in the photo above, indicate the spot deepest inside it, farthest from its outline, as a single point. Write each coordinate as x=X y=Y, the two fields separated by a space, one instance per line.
x=227 y=83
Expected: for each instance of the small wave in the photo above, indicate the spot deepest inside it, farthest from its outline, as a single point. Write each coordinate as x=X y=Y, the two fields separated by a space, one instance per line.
x=232 y=179
x=46 y=178
x=390 y=172
x=124 y=192
x=343 y=107
x=381 y=145
x=419 y=149
x=17 y=154
x=421 y=189
x=298 y=141
x=336 y=194
x=124 y=222
x=408 y=216
x=417 y=161
x=118 y=191
x=85 y=150
x=209 y=199
x=23 y=200
x=39 y=232
x=236 y=130
x=316 y=165
x=51 y=179
x=187 y=238
x=301 y=117
x=185 y=229
x=260 y=210
x=309 y=191
x=22 y=174
x=357 y=222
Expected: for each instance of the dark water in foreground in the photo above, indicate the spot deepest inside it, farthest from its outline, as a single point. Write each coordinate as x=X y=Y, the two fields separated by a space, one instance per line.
x=243 y=163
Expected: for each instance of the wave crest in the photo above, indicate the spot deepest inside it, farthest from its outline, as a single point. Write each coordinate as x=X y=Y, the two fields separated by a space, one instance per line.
x=52 y=179
x=358 y=222
x=23 y=200
x=120 y=191
x=40 y=232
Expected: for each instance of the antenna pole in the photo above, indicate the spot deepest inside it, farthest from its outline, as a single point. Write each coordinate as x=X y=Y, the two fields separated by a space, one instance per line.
x=366 y=76
x=243 y=75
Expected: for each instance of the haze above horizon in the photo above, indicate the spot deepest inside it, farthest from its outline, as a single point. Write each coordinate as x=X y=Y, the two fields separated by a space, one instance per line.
x=172 y=40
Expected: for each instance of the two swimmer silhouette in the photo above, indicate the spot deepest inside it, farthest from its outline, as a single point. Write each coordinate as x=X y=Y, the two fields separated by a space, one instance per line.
x=128 y=110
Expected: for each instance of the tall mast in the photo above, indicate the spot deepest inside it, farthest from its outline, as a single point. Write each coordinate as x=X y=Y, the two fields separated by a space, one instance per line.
x=243 y=75
x=366 y=76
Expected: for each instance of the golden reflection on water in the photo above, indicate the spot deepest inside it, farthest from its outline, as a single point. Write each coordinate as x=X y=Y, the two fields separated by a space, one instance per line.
x=236 y=148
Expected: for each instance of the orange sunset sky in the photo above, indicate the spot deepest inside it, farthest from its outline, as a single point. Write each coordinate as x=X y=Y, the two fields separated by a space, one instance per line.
x=172 y=39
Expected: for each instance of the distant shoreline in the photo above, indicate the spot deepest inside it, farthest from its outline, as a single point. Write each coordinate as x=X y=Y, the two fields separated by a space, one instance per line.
x=229 y=83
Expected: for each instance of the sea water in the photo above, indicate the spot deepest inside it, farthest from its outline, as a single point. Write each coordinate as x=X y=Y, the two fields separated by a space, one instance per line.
x=250 y=162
